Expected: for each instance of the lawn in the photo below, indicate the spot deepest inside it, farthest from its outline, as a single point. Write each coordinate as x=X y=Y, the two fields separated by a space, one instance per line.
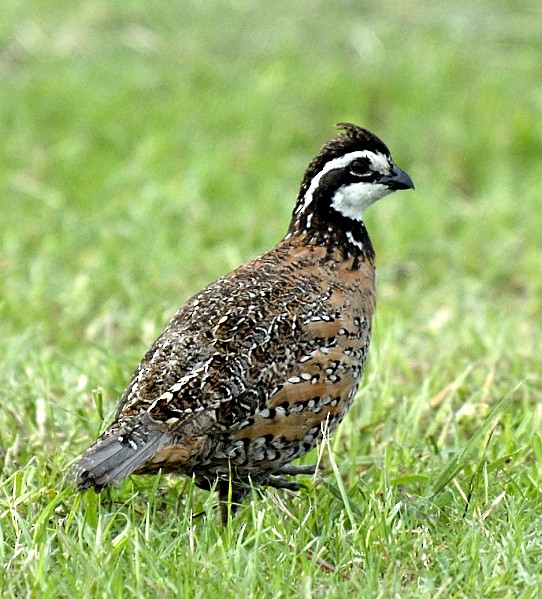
x=150 y=147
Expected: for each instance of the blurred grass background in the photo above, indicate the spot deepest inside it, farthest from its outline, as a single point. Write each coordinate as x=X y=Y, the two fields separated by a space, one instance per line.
x=150 y=147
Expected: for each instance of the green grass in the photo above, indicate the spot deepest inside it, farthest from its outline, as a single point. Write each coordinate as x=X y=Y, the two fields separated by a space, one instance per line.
x=149 y=147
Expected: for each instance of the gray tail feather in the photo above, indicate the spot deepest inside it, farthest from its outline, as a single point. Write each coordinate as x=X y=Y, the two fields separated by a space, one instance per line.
x=114 y=457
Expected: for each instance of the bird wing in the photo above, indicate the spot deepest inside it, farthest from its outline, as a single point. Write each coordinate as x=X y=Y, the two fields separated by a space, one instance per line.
x=234 y=357
x=230 y=361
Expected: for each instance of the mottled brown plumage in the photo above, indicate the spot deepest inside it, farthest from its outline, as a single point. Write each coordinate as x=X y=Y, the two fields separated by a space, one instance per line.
x=253 y=371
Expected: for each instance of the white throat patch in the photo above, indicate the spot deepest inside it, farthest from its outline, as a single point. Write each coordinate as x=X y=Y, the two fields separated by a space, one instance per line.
x=351 y=200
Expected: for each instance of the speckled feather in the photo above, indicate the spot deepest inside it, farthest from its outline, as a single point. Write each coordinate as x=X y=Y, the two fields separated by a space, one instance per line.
x=252 y=371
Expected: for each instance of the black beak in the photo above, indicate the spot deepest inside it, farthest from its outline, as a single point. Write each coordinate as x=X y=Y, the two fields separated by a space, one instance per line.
x=397 y=180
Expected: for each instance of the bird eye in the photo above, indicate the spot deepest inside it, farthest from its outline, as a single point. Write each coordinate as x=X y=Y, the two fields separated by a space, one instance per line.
x=360 y=167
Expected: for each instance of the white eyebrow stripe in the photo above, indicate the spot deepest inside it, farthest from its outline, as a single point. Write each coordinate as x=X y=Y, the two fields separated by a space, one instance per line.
x=378 y=160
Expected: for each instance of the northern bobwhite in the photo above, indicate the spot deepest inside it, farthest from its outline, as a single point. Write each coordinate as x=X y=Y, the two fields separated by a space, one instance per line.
x=254 y=370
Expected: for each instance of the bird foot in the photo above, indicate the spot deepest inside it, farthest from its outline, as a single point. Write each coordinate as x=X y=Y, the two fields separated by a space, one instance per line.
x=291 y=470
x=230 y=495
x=279 y=482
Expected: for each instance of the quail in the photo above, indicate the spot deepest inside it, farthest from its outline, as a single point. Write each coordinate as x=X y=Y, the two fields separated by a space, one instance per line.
x=255 y=369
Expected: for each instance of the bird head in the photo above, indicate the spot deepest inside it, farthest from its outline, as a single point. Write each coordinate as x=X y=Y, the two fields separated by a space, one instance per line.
x=350 y=173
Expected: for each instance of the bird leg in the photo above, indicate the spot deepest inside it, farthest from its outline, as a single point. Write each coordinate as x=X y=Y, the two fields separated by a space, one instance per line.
x=229 y=498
